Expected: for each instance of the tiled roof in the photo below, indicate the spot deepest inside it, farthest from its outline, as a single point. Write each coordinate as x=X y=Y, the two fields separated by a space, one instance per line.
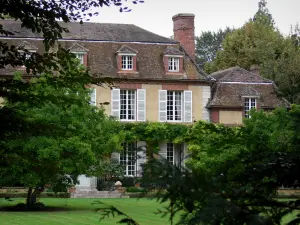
x=102 y=60
x=235 y=83
x=237 y=74
x=94 y=31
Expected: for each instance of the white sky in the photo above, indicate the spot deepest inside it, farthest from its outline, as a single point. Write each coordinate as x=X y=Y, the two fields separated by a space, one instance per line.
x=156 y=15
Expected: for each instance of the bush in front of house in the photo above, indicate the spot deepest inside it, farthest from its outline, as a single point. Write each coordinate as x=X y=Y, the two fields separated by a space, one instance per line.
x=134 y=189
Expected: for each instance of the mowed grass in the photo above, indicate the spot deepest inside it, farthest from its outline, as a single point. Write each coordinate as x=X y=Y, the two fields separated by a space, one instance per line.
x=81 y=212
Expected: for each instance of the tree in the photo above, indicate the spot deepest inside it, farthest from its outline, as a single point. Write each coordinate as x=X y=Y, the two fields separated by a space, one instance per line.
x=43 y=138
x=49 y=131
x=207 y=45
x=263 y=16
x=234 y=173
x=259 y=43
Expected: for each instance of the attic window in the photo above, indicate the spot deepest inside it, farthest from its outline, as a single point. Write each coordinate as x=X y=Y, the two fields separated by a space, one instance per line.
x=28 y=54
x=80 y=56
x=173 y=63
x=250 y=103
x=127 y=62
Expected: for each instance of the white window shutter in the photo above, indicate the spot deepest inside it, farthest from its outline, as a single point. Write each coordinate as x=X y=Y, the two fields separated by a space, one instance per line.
x=141 y=105
x=188 y=117
x=115 y=157
x=162 y=107
x=163 y=150
x=115 y=103
x=93 y=97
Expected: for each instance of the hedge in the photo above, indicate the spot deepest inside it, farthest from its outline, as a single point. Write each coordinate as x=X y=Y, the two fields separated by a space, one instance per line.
x=42 y=195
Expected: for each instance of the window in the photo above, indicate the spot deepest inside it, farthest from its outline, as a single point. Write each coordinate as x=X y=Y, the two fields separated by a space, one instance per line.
x=80 y=57
x=170 y=152
x=28 y=55
x=127 y=62
x=93 y=97
x=174 y=105
x=250 y=103
x=173 y=63
x=128 y=159
x=127 y=104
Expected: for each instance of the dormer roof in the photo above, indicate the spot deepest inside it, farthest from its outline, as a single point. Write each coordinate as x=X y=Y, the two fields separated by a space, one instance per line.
x=126 y=49
x=173 y=51
x=78 y=48
x=28 y=46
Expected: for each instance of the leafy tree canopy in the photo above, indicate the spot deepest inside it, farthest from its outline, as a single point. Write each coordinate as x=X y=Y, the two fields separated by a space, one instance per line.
x=208 y=44
x=49 y=131
x=259 y=43
x=234 y=173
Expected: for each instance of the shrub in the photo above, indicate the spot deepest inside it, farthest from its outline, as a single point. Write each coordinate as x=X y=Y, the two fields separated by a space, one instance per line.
x=134 y=189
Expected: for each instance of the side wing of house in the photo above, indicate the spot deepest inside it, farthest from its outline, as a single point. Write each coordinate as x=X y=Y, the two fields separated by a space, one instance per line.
x=238 y=91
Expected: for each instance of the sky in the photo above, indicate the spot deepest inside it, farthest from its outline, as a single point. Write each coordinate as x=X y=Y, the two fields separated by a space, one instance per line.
x=210 y=15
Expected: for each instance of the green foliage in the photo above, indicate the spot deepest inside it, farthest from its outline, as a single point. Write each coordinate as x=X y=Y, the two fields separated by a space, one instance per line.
x=109 y=210
x=134 y=189
x=207 y=45
x=50 y=133
x=234 y=173
x=259 y=43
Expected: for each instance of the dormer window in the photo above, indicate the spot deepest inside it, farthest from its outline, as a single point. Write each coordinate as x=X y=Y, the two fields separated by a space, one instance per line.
x=173 y=64
x=127 y=62
x=80 y=56
x=250 y=103
x=80 y=53
x=26 y=50
x=173 y=61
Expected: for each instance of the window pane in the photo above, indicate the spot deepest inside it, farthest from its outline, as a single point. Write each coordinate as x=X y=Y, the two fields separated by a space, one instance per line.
x=173 y=64
x=80 y=57
x=174 y=105
x=249 y=104
x=127 y=104
x=127 y=62
x=128 y=158
x=170 y=152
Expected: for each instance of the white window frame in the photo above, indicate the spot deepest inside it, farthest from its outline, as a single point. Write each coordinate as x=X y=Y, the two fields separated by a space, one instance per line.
x=128 y=159
x=174 y=106
x=127 y=62
x=80 y=56
x=170 y=153
x=173 y=64
x=127 y=94
x=249 y=103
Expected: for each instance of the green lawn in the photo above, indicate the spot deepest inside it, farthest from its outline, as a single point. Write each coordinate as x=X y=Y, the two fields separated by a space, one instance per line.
x=80 y=212
x=142 y=210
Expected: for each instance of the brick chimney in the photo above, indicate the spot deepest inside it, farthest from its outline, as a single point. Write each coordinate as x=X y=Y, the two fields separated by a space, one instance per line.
x=184 y=32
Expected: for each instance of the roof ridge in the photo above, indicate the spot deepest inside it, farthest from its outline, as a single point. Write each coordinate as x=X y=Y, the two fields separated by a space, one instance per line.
x=224 y=70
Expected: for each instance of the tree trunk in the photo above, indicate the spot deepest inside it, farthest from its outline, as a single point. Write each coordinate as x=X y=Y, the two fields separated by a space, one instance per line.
x=28 y=199
x=31 y=196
